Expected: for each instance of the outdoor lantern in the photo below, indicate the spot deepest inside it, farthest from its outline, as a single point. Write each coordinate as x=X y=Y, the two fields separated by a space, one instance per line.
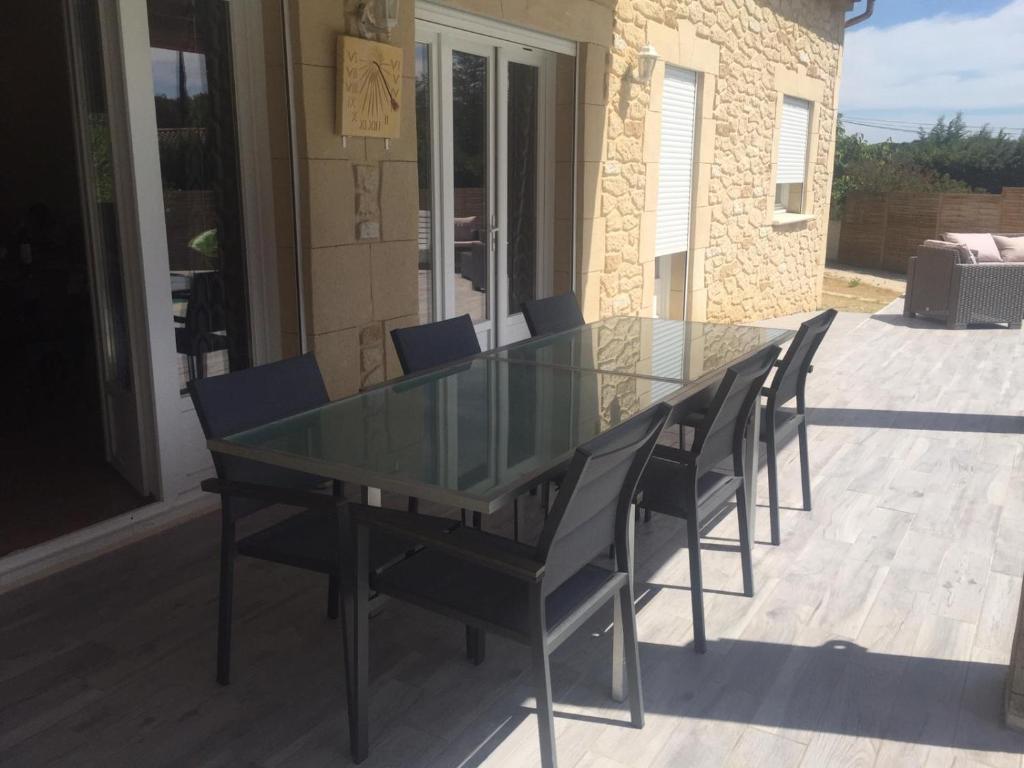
x=389 y=13
x=378 y=16
x=645 y=62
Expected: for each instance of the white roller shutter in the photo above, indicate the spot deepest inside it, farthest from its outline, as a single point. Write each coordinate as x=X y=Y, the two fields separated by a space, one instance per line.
x=796 y=121
x=675 y=167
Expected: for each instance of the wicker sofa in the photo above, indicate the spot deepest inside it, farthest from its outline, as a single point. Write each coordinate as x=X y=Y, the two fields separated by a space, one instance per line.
x=942 y=286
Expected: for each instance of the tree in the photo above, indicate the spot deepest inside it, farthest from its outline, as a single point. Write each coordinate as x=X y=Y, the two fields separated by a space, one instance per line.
x=947 y=158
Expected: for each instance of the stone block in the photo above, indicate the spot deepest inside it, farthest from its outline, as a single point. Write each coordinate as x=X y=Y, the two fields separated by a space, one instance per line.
x=339 y=287
x=330 y=203
x=399 y=201
x=394 y=279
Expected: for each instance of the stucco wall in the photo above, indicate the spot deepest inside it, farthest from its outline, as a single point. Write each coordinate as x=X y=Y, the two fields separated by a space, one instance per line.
x=742 y=267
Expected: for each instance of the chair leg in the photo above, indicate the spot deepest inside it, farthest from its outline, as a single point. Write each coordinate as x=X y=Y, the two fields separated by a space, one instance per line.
x=476 y=639
x=545 y=498
x=632 y=649
x=696 y=584
x=773 y=488
x=746 y=560
x=227 y=574
x=805 y=466
x=542 y=686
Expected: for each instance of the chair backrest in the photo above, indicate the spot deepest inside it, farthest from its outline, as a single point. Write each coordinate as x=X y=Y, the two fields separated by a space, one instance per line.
x=553 y=314
x=593 y=501
x=249 y=398
x=427 y=346
x=720 y=436
x=205 y=311
x=792 y=372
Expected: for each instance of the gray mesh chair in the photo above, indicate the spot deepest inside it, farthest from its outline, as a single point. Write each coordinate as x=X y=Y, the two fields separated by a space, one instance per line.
x=309 y=539
x=552 y=315
x=421 y=347
x=696 y=484
x=538 y=595
x=779 y=423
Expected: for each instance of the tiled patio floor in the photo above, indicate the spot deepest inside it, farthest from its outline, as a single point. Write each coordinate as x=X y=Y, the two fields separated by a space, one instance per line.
x=878 y=636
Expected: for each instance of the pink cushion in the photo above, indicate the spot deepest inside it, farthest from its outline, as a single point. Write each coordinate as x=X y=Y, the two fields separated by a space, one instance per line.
x=981 y=242
x=1010 y=248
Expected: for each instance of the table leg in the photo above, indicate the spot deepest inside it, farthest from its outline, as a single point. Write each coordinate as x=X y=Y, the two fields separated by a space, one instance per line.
x=618 y=643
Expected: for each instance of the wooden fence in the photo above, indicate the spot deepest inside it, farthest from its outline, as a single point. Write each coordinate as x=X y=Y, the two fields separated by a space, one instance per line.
x=881 y=231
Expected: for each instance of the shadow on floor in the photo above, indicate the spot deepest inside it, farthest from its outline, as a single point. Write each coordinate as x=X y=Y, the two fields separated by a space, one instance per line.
x=836 y=688
x=919 y=322
x=924 y=420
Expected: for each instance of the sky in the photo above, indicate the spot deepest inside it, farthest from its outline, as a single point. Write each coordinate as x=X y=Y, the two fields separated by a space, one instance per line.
x=916 y=60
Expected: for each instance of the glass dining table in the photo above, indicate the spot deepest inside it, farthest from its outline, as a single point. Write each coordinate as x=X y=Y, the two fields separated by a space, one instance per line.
x=478 y=433
x=481 y=432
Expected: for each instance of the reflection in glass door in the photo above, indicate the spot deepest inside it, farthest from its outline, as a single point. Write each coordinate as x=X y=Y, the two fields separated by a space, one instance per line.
x=193 y=88
x=524 y=153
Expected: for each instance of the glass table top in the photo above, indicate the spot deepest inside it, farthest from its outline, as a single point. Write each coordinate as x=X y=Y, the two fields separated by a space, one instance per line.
x=671 y=350
x=476 y=434
x=472 y=436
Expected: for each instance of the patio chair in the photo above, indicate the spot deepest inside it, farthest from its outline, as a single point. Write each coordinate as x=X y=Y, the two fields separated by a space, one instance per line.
x=552 y=315
x=538 y=595
x=696 y=484
x=421 y=347
x=309 y=539
x=779 y=423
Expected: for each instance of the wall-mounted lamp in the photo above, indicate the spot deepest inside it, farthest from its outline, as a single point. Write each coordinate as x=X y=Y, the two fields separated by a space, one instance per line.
x=378 y=17
x=645 y=61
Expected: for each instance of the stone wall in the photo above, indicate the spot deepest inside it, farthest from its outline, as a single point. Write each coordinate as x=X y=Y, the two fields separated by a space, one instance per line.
x=740 y=265
x=748 y=53
x=881 y=231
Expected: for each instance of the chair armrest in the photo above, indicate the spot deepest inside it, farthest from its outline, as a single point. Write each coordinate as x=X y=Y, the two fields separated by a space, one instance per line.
x=293 y=497
x=464 y=543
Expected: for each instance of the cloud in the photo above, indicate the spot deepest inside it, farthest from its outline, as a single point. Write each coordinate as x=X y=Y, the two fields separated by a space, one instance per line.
x=944 y=63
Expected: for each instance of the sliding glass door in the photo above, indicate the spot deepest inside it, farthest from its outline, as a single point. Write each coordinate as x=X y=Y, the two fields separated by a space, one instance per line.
x=484 y=110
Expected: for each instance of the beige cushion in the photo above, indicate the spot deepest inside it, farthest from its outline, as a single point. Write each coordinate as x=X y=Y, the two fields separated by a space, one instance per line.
x=1010 y=248
x=980 y=242
x=964 y=255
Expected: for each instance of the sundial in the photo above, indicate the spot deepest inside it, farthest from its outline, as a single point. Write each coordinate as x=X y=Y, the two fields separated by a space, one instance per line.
x=369 y=88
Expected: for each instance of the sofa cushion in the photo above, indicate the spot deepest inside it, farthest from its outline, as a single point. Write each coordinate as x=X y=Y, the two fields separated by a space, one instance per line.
x=981 y=242
x=964 y=255
x=1010 y=248
x=467 y=229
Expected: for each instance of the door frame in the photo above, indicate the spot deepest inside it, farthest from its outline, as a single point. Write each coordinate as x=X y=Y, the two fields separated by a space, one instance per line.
x=124 y=203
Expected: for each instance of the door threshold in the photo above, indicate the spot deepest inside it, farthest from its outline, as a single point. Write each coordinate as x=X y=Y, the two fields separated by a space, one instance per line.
x=36 y=562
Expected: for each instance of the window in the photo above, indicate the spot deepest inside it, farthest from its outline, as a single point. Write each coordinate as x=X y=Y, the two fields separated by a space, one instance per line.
x=675 y=180
x=791 y=175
